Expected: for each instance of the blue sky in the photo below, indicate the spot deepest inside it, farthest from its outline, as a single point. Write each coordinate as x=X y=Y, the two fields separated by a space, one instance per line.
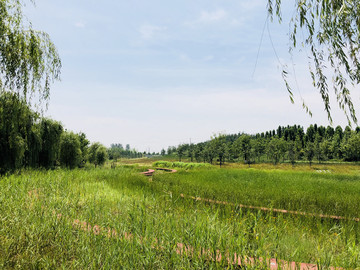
x=158 y=73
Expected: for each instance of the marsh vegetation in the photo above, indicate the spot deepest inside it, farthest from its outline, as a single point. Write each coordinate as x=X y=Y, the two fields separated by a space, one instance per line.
x=117 y=218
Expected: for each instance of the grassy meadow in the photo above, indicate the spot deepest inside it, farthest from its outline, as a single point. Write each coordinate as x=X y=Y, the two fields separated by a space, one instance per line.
x=119 y=219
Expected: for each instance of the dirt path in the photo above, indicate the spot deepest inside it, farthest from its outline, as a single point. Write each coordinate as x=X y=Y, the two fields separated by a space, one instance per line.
x=150 y=172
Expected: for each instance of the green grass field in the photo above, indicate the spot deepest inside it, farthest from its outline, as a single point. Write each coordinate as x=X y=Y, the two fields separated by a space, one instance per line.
x=118 y=219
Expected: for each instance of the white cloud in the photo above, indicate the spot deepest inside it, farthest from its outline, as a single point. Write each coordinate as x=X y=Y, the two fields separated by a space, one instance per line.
x=214 y=16
x=148 y=31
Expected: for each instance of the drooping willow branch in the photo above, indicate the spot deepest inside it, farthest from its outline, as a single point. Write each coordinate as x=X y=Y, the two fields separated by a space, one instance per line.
x=29 y=61
x=331 y=31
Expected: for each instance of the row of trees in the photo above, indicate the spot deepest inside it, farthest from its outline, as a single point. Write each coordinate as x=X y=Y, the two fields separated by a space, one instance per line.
x=28 y=140
x=118 y=151
x=289 y=143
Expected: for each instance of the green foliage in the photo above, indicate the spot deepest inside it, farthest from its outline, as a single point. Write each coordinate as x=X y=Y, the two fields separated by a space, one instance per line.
x=330 y=30
x=181 y=151
x=16 y=132
x=351 y=148
x=218 y=147
x=97 y=154
x=291 y=152
x=84 y=147
x=182 y=165
x=70 y=151
x=101 y=155
x=117 y=151
x=276 y=149
x=325 y=148
x=285 y=144
x=310 y=152
x=27 y=141
x=109 y=219
x=50 y=134
x=318 y=151
x=29 y=62
x=244 y=147
x=33 y=147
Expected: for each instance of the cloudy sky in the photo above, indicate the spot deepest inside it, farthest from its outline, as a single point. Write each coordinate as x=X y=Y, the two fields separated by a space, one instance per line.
x=158 y=73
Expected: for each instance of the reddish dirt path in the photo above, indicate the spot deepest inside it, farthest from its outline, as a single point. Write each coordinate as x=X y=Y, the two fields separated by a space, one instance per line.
x=150 y=172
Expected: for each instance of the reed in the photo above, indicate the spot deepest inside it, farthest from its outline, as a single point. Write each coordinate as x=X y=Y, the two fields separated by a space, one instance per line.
x=118 y=219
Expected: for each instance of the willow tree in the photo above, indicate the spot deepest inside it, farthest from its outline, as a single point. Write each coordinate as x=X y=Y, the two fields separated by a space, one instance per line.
x=16 y=133
x=29 y=61
x=330 y=29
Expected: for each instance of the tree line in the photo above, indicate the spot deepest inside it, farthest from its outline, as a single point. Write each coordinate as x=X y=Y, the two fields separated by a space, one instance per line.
x=28 y=140
x=285 y=144
x=117 y=151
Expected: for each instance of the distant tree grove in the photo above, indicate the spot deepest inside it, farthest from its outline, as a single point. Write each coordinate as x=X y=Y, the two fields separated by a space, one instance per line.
x=285 y=144
x=117 y=151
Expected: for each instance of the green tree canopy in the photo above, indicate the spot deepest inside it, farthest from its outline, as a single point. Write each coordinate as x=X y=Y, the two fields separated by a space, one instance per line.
x=70 y=152
x=29 y=61
x=219 y=147
x=16 y=121
x=101 y=155
x=84 y=147
x=50 y=132
x=330 y=30
x=244 y=146
x=97 y=154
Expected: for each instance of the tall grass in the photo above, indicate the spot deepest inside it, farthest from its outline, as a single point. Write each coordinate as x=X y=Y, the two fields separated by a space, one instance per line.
x=181 y=165
x=332 y=194
x=117 y=219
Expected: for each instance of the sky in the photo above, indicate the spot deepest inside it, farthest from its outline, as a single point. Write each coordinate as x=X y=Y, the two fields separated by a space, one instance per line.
x=158 y=73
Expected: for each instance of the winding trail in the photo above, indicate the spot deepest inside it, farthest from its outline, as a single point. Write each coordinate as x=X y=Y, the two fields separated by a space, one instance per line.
x=150 y=172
